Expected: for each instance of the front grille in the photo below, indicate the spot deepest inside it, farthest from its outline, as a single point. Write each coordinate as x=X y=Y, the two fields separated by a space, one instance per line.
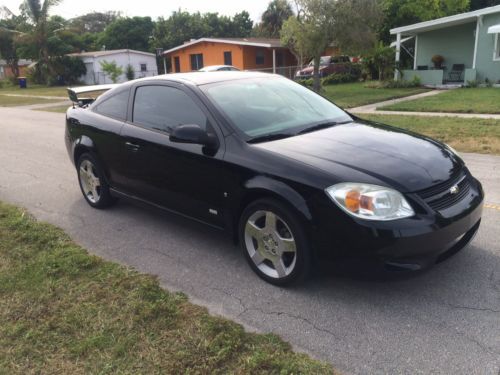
x=440 y=197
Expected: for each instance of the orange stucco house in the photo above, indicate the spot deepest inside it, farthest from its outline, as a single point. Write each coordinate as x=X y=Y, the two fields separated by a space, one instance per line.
x=243 y=53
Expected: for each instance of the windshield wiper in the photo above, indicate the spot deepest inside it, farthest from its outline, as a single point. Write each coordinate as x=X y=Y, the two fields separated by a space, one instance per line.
x=323 y=125
x=269 y=137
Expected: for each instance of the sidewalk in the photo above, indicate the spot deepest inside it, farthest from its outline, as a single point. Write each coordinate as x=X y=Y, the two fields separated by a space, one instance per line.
x=372 y=109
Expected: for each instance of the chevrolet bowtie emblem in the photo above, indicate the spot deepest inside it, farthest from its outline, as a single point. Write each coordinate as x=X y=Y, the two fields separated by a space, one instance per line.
x=454 y=189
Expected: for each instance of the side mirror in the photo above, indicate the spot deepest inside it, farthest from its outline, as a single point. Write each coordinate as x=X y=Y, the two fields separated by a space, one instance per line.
x=191 y=133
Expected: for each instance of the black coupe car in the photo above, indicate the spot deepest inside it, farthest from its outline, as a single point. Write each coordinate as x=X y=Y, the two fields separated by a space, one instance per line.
x=293 y=177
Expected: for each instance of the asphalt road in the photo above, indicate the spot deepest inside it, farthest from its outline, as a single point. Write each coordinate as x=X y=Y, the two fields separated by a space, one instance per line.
x=444 y=321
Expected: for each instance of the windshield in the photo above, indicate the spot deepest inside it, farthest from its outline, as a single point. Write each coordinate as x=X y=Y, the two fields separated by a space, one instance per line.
x=262 y=106
x=323 y=60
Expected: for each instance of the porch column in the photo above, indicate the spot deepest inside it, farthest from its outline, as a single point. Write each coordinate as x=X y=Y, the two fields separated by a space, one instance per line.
x=416 y=53
x=274 y=61
x=164 y=65
x=398 y=55
x=479 y=22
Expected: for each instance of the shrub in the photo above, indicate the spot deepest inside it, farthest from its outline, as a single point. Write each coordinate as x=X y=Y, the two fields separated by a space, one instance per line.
x=129 y=72
x=336 y=78
x=65 y=70
x=111 y=69
x=472 y=84
x=391 y=84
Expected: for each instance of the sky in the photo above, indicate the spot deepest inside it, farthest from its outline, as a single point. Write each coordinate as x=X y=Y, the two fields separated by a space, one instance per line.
x=152 y=8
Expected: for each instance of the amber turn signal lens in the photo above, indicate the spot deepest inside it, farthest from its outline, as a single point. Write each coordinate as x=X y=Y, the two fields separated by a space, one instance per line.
x=352 y=200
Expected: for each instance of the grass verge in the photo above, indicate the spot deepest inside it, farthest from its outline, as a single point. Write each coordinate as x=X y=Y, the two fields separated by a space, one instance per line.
x=64 y=311
x=36 y=90
x=464 y=134
x=466 y=100
x=58 y=109
x=15 y=101
x=349 y=95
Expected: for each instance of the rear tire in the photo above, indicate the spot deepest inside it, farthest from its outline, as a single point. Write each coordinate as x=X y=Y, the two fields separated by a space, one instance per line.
x=274 y=242
x=93 y=185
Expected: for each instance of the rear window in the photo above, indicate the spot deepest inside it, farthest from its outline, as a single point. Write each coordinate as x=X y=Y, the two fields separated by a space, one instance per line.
x=114 y=106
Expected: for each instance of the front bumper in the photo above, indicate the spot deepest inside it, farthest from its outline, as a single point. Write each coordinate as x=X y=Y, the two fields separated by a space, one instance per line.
x=401 y=245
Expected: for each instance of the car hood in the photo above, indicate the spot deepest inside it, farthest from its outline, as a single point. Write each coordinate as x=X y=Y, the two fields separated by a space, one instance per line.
x=373 y=153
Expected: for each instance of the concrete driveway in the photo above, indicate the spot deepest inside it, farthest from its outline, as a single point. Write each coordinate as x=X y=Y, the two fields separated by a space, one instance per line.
x=444 y=321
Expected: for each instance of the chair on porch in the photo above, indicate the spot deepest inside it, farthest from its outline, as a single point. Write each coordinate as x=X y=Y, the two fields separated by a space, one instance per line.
x=422 y=67
x=456 y=72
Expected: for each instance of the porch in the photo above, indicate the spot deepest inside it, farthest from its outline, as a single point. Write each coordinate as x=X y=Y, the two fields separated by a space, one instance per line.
x=454 y=39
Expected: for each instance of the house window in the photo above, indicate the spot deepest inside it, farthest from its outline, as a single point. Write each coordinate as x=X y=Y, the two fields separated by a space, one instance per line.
x=144 y=68
x=196 y=61
x=259 y=57
x=496 y=54
x=228 y=58
x=177 y=64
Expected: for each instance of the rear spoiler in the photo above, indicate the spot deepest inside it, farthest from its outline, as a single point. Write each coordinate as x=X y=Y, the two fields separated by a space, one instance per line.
x=75 y=92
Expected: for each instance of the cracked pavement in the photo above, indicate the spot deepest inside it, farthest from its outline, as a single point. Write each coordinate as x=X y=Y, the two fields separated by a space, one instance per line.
x=445 y=321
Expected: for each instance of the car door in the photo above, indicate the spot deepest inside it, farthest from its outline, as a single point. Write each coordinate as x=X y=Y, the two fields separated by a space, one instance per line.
x=182 y=177
x=104 y=121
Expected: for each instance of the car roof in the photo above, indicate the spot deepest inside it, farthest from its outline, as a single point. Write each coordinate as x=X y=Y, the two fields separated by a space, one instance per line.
x=210 y=67
x=203 y=78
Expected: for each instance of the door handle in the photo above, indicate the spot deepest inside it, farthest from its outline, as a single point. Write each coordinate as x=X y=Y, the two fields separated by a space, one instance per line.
x=132 y=146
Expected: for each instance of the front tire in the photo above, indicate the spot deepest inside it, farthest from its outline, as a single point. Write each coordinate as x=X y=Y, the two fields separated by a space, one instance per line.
x=274 y=242
x=93 y=185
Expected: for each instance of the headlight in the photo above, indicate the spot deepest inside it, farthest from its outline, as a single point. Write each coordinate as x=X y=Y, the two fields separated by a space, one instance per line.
x=370 y=202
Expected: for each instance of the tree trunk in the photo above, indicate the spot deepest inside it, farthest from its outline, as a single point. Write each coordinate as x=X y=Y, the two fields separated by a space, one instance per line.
x=317 y=80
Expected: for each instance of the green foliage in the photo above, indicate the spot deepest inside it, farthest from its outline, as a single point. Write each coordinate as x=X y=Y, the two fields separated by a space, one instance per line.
x=66 y=69
x=380 y=62
x=183 y=26
x=399 y=84
x=129 y=33
x=94 y=22
x=479 y=4
x=406 y=12
x=277 y=12
x=111 y=69
x=319 y=23
x=129 y=72
x=352 y=73
x=472 y=84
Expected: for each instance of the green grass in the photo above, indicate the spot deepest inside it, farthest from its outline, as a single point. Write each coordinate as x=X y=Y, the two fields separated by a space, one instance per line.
x=463 y=134
x=349 y=95
x=57 y=109
x=465 y=100
x=36 y=90
x=64 y=311
x=14 y=101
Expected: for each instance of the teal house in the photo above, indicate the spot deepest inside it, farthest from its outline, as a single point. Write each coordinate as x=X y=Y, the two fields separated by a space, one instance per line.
x=465 y=47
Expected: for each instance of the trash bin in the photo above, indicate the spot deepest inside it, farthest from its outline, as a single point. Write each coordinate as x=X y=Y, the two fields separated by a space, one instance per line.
x=22 y=82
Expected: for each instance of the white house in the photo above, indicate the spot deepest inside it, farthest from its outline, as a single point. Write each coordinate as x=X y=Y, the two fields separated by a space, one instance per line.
x=143 y=64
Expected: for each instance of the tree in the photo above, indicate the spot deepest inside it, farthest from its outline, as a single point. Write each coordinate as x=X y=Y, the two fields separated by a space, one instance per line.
x=38 y=15
x=277 y=12
x=241 y=25
x=406 y=12
x=95 y=22
x=351 y=24
x=183 y=26
x=8 y=33
x=479 y=4
x=130 y=33
x=111 y=69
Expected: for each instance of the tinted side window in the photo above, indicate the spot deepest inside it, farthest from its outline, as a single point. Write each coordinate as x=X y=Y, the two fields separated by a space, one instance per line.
x=163 y=108
x=115 y=106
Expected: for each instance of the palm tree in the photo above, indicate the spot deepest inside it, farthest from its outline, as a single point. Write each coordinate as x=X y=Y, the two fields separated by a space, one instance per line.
x=277 y=12
x=38 y=14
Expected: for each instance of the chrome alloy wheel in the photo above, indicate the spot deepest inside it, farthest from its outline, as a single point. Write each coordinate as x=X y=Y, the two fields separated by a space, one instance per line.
x=91 y=184
x=270 y=244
